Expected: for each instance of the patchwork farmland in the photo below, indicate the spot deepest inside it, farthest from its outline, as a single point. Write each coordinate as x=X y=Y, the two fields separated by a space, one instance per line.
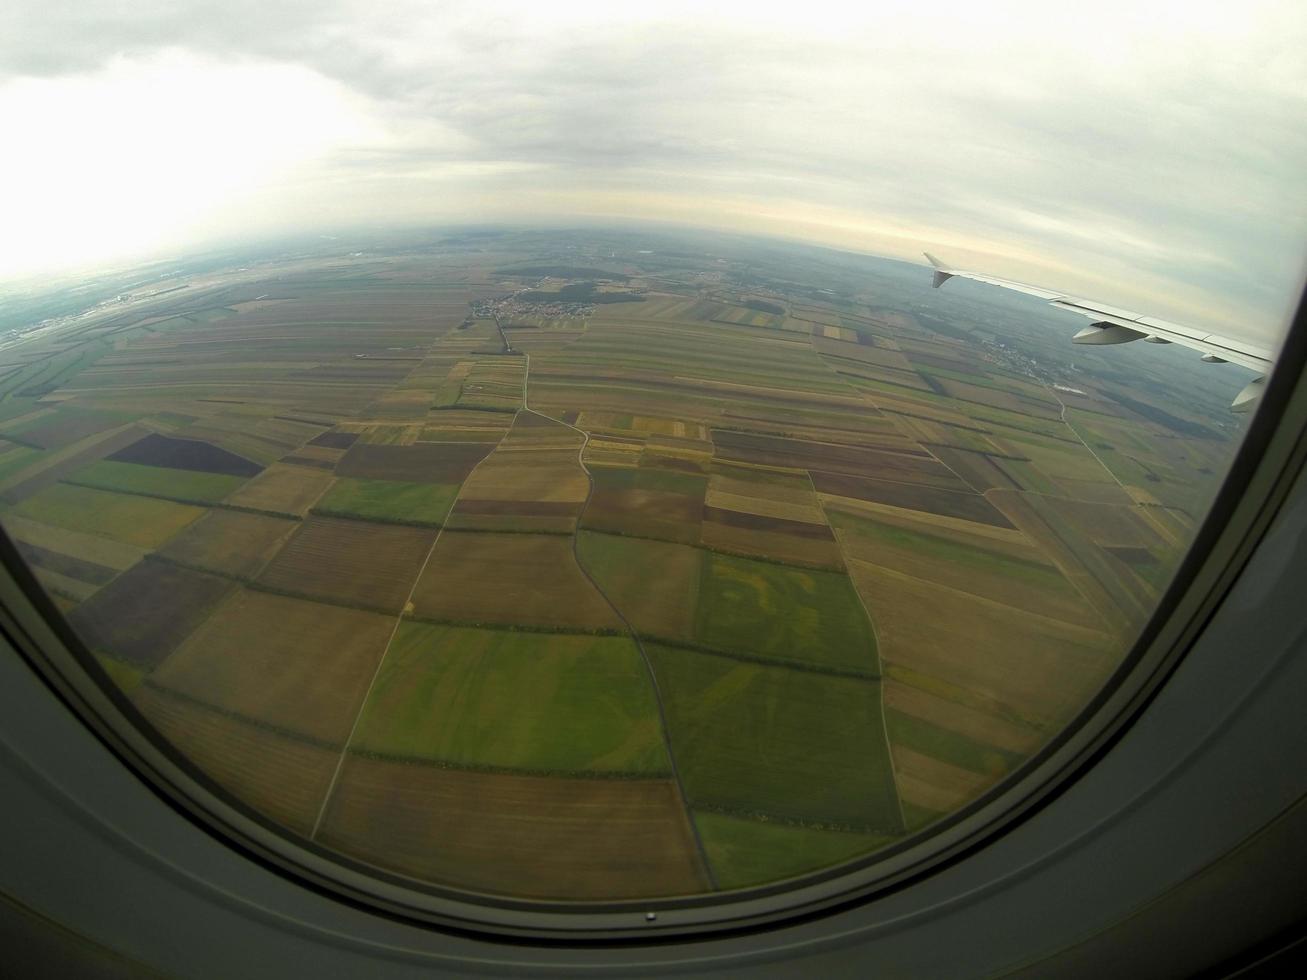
x=726 y=582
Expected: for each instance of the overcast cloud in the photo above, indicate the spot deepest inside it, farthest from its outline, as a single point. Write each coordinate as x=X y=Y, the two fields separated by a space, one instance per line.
x=1151 y=156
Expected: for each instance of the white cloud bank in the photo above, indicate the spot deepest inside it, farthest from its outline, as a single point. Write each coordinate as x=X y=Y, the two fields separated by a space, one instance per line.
x=1147 y=153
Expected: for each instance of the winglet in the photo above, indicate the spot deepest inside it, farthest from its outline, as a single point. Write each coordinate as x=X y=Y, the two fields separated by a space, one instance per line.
x=942 y=275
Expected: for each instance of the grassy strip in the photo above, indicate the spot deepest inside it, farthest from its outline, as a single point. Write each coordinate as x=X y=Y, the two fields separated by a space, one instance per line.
x=518 y=627
x=762 y=816
x=237 y=716
x=455 y=529
x=291 y=594
x=762 y=660
x=178 y=499
x=766 y=559
x=510 y=770
x=347 y=515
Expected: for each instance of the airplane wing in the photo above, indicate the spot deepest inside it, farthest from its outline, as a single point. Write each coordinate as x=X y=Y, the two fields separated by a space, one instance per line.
x=1113 y=325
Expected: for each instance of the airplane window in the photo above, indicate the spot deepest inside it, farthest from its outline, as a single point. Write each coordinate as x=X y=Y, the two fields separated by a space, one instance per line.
x=528 y=454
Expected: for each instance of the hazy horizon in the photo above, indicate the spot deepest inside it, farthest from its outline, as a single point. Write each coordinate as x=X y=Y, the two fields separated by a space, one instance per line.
x=1149 y=158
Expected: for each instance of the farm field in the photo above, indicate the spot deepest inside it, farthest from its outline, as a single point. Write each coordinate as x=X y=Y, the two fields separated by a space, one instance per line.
x=731 y=570
x=514 y=700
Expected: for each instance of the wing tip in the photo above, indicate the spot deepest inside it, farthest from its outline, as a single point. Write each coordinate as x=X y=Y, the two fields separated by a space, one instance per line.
x=942 y=273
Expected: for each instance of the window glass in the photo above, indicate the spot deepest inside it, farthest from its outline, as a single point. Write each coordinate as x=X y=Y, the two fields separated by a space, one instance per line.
x=522 y=450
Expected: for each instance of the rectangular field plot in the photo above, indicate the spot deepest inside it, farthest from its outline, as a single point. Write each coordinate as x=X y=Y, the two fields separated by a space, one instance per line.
x=64 y=427
x=54 y=561
x=918 y=468
x=229 y=542
x=1017 y=664
x=545 y=475
x=188 y=486
x=140 y=521
x=512 y=579
x=423 y=462
x=804 y=616
x=963 y=505
x=283 y=489
x=390 y=501
x=759 y=740
x=90 y=548
x=297 y=666
x=536 y=836
x=655 y=584
x=653 y=503
x=146 y=613
x=353 y=563
x=1001 y=565
x=282 y=778
x=514 y=700
x=752 y=852
x=778 y=495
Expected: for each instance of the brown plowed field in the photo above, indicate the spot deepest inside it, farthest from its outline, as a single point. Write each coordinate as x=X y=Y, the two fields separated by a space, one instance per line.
x=654 y=583
x=186 y=454
x=528 y=836
x=350 y=562
x=283 y=489
x=816 y=552
x=230 y=542
x=293 y=664
x=67 y=427
x=793 y=453
x=524 y=508
x=776 y=525
x=1040 y=669
x=531 y=579
x=145 y=613
x=282 y=778
x=546 y=474
x=964 y=505
x=423 y=462
x=979 y=471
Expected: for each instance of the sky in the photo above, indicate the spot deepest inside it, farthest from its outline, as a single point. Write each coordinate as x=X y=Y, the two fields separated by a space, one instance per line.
x=1149 y=154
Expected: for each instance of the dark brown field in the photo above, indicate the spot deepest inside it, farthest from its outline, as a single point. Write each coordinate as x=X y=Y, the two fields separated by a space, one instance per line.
x=918 y=468
x=759 y=522
x=295 y=665
x=123 y=619
x=279 y=777
x=531 y=579
x=350 y=562
x=67 y=427
x=427 y=462
x=963 y=505
x=335 y=440
x=83 y=571
x=790 y=548
x=186 y=454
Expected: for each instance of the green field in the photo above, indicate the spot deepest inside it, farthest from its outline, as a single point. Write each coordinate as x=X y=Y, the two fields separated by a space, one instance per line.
x=142 y=521
x=789 y=613
x=752 y=852
x=949 y=746
x=761 y=740
x=187 y=486
x=953 y=552
x=514 y=700
x=654 y=583
x=393 y=501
